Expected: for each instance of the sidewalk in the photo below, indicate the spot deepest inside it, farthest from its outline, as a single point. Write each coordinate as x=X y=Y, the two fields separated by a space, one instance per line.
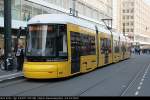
x=8 y=75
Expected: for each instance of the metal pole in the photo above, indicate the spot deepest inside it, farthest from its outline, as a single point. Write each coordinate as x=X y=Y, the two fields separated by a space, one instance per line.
x=7 y=30
x=124 y=29
x=74 y=7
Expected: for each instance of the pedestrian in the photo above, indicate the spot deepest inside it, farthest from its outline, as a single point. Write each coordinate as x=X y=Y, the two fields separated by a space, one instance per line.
x=20 y=58
x=133 y=50
x=139 y=51
x=136 y=51
x=1 y=53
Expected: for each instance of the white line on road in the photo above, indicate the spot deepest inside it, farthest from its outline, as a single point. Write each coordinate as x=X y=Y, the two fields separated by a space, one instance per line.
x=10 y=78
x=136 y=93
x=141 y=82
x=132 y=83
x=139 y=88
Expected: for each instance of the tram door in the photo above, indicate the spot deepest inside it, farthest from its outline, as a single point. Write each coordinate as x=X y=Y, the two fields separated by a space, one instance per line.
x=75 y=52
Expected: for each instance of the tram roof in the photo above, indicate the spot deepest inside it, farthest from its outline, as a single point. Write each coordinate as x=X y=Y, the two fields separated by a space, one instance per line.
x=64 y=19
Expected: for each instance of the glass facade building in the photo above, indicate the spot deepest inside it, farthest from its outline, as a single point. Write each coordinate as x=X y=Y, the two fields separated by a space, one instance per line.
x=23 y=10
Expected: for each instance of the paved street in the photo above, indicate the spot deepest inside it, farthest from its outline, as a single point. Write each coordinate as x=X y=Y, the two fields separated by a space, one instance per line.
x=127 y=78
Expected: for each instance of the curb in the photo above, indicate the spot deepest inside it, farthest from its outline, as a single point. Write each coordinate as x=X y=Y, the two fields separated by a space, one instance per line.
x=10 y=77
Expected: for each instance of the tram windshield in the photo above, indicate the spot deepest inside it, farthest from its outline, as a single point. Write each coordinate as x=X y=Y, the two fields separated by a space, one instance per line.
x=47 y=41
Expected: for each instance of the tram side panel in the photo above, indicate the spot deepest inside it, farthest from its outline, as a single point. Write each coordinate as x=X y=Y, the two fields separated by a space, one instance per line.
x=82 y=49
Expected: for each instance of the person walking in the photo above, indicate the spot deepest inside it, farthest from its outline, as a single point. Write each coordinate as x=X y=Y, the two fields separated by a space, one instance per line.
x=133 y=50
x=139 y=51
x=20 y=58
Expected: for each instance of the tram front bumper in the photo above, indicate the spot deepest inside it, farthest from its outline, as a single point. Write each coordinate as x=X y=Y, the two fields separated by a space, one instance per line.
x=36 y=71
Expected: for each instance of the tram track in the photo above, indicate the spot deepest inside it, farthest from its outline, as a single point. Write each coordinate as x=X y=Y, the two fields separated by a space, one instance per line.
x=125 y=90
x=34 y=87
x=134 y=79
x=56 y=83
x=100 y=82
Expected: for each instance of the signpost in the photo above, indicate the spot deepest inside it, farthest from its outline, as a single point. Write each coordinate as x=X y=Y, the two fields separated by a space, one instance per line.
x=73 y=10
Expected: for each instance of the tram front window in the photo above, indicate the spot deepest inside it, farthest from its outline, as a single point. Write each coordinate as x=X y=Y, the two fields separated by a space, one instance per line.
x=47 y=41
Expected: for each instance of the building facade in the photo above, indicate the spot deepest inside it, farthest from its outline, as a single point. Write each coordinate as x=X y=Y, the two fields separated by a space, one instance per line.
x=23 y=10
x=117 y=18
x=133 y=20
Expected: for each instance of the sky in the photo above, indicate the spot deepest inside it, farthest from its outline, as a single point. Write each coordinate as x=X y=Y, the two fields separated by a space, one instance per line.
x=148 y=1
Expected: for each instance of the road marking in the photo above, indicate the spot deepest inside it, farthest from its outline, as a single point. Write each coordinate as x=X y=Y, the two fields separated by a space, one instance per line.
x=10 y=78
x=142 y=80
x=139 y=88
x=141 y=83
x=132 y=83
x=136 y=93
x=124 y=86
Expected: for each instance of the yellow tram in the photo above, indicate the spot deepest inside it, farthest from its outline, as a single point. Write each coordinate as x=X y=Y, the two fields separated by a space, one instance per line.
x=61 y=46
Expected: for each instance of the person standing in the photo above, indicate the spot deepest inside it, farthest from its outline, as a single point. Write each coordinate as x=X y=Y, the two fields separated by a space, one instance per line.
x=20 y=58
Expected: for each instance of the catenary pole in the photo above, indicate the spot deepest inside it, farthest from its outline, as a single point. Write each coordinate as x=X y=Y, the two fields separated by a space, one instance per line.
x=7 y=30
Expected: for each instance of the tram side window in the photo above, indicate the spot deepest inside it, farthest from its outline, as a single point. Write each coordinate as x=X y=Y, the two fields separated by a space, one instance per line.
x=84 y=45
x=105 y=45
x=102 y=46
x=109 y=45
x=116 y=47
x=87 y=45
x=92 y=45
x=75 y=44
